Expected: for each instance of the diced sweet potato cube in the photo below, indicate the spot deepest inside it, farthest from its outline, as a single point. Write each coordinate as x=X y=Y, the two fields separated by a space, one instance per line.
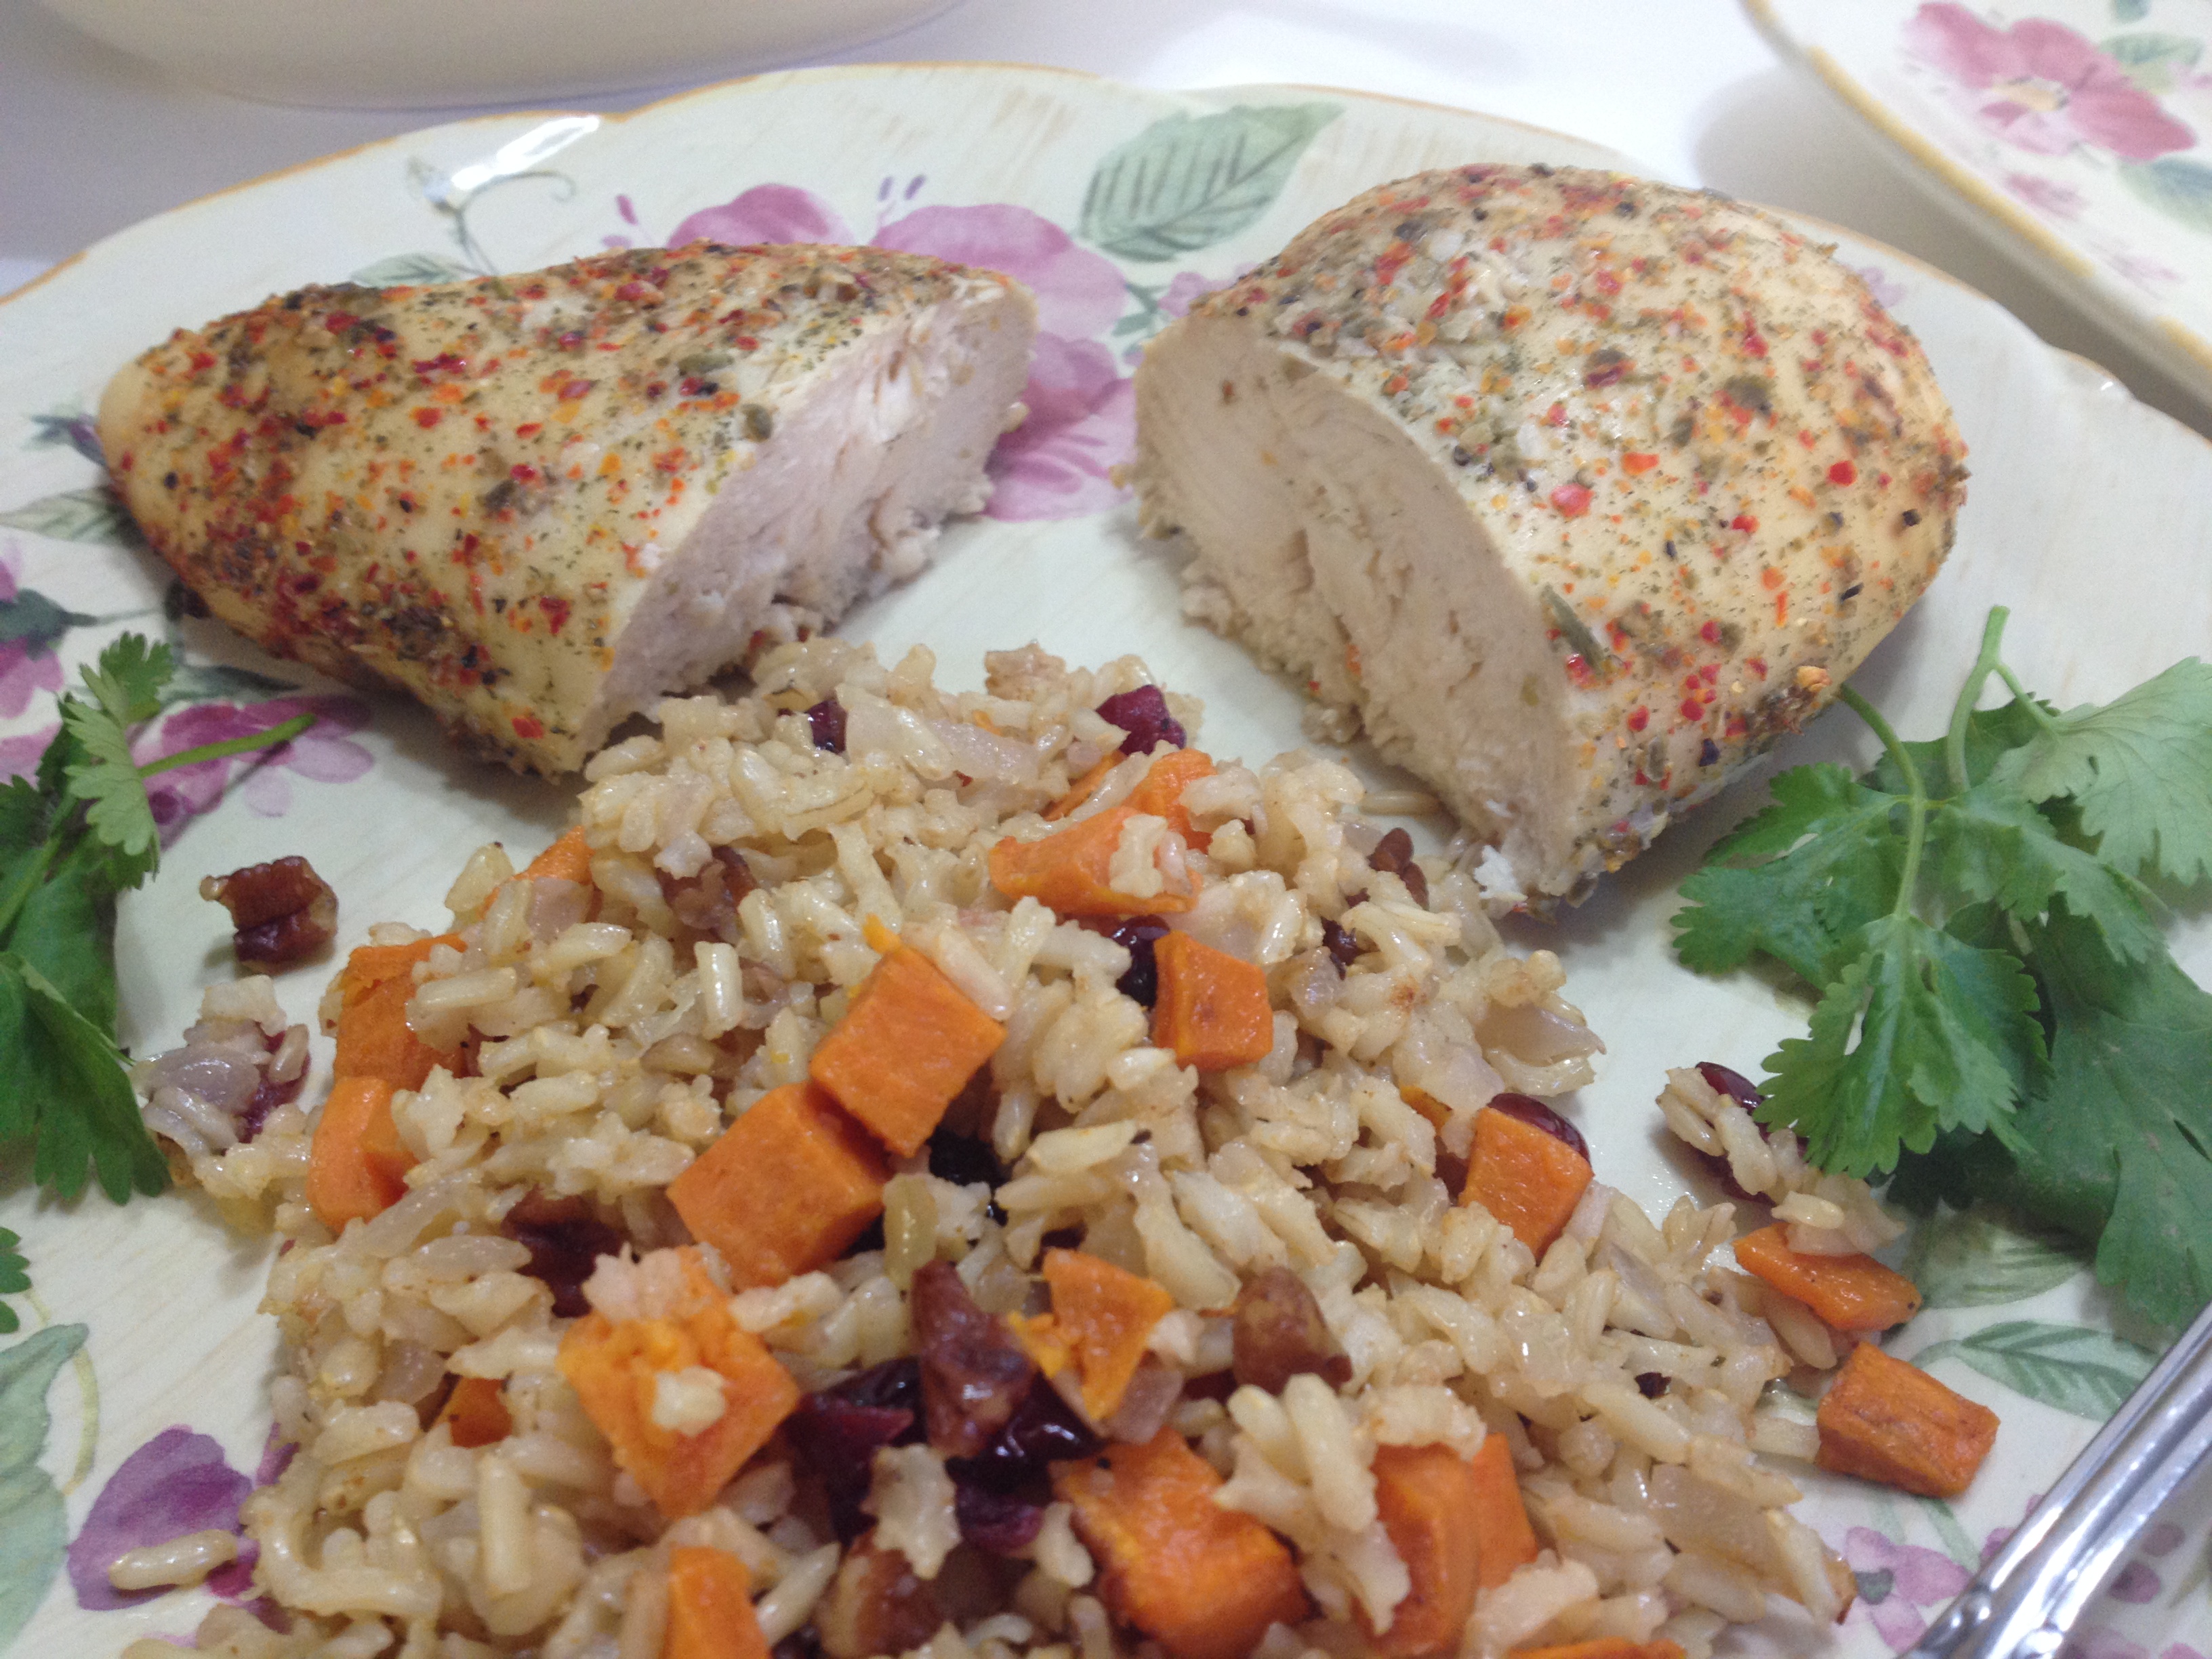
x=373 y=1039
x=1885 y=1420
x=1203 y=1581
x=786 y=1189
x=1071 y=871
x=905 y=1049
x=1083 y=788
x=475 y=1413
x=1212 y=1009
x=616 y=1367
x=1105 y=1314
x=1428 y=1497
x=710 y=1607
x=1854 y=1293
x=1528 y=1179
x=1605 y=1647
x=568 y=859
x=357 y=1165
x=1161 y=791
x=1504 y=1538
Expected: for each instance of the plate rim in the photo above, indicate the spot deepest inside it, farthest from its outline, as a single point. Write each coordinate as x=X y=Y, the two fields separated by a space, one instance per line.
x=2055 y=262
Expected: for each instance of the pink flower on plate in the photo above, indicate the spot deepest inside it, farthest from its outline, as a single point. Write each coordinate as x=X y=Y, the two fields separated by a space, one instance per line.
x=28 y=666
x=18 y=755
x=1184 y=292
x=1899 y=1584
x=322 y=753
x=2048 y=197
x=2142 y=271
x=1058 y=464
x=1078 y=292
x=766 y=213
x=2040 y=85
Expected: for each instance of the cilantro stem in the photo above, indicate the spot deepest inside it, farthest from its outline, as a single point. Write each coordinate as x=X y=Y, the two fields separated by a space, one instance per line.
x=26 y=884
x=1916 y=827
x=2026 y=699
x=208 y=751
x=1962 y=712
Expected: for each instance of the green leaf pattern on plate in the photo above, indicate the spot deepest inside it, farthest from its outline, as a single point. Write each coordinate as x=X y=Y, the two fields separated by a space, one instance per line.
x=34 y=1529
x=2179 y=188
x=92 y=514
x=413 y=268
x=1188 y=181
x=2073 y=1368
x=2152 y=60
x=1979 y=1259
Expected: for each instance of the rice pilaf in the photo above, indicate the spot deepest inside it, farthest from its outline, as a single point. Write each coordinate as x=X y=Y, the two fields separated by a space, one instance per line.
x=1324 y=1312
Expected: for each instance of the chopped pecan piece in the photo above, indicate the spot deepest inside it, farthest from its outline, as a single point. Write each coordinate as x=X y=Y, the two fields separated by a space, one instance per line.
x=281 y=911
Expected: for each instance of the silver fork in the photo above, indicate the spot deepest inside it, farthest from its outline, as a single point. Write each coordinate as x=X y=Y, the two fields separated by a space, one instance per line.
x=2023 y=1603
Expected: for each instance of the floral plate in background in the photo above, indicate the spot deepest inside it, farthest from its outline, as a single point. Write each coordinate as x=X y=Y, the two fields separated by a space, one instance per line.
x=132 y=1399
x=2075 y=135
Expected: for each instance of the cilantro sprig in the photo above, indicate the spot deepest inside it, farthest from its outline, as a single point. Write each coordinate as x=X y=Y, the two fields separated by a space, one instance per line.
x=1999 y=1015
x=72 y=838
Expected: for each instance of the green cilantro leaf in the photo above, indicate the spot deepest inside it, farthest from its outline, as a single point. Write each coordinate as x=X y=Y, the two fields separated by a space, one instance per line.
x=1991 y=845
x=66 y=930
x=1798 y=881
x=2140 y=768
x=63 y=1091
x=2116 y=1143
x=14 y=1278
x=125 y=690
x=1921 y=1033
x=1991 y=734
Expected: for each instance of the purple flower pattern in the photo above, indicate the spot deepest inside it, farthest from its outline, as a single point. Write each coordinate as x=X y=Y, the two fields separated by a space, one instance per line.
x=177 y=1482
x=2041 y=86
x=1899 y=1584
x=324 y=753
x=26 y=666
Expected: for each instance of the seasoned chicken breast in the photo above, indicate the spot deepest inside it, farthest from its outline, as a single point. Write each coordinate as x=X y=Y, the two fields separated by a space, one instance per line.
x=539 y=501
x=1576 y=489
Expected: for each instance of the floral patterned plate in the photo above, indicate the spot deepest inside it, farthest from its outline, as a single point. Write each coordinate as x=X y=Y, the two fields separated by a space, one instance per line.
x=2074 y=134
x=132 y=1403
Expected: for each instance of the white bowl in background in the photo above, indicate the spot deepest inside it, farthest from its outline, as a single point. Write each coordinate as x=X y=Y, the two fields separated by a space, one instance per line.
x=431 y=54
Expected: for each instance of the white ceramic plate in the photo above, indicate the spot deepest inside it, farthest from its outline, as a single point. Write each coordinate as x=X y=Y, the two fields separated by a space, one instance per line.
x=146 y=1349
x=2075 y=135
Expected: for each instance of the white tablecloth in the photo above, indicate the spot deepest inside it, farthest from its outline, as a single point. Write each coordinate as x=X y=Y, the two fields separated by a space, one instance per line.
x=91 y=141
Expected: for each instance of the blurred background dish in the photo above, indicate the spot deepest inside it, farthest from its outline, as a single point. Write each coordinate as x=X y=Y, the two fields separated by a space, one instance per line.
x=435 y=54
x=2074 y=136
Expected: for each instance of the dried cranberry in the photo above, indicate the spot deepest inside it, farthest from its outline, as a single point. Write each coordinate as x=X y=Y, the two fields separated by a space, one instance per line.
x=838 y=1440
x=1532 y=1111
x=1650 y=1384
x=799 y=1644
x=1136 y=934
x=828 y=719
x=1393 y=856
x=280 y=911
x=962 y=1160
x=1276 y=1333
x=995 y=1521
x=565 y=1240
x=896 y=1383
x=268 y=1095
x=1044 y=1429
x=1142 y=713
x=708 y=903
x=1734 y=1085
x=1343 y=949
x=973 y=1372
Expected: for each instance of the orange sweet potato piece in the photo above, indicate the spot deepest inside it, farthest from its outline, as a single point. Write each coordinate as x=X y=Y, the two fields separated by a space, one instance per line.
x=1427 y=1495
x=1083 y=788
x=1211 y=1009
x=1854 y=1293
x=906 y=1047
x=710 y=1607
x=1069 y=871
x=1161 y=791
x=1528 y=1180
x=788 y=1187
x=1105 y=1314
x=1504 y=1538
x=477 y=1412
x=614 y=1368
x=357 y=1165
x=1605 y=1647
x=1885 y=1420
x=1203 y=1581
x=374 y=1039
x=568 y=859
